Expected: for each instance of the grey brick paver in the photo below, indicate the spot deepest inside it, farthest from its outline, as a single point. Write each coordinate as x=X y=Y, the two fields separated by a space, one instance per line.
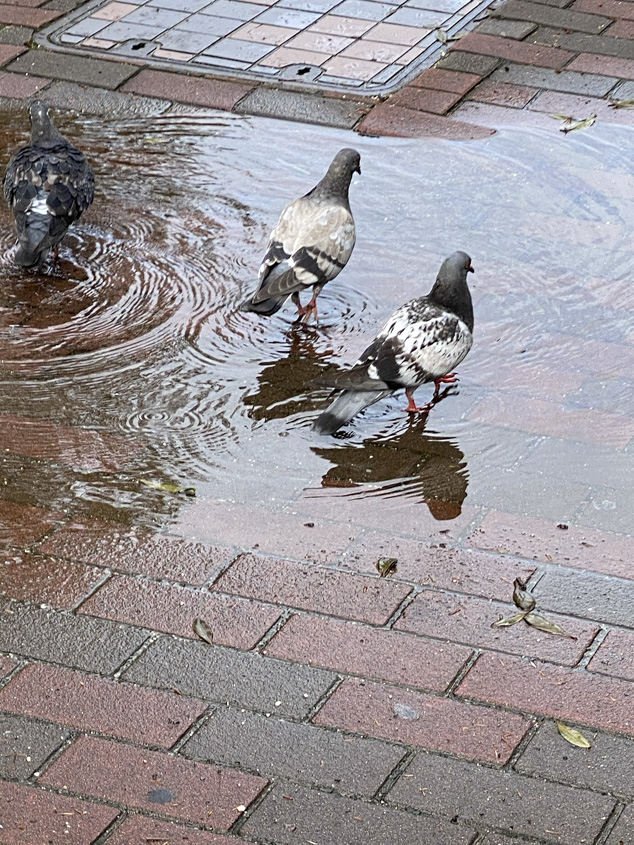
x=94 y=645
x=305 y=753
x=623 y=833
x=506 y=28
x=294 y=815
x=90 y=71
x=608 y=766
x=566 y=80
x=308 y=108
x=564 y=18
x=222 y=674
x=590 y=596
x=469 y=63
x=581 y=42
x=25 y=744
x=529 y=807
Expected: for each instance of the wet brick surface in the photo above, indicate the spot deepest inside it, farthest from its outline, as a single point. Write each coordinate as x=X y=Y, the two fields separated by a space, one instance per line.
x=40 y=579
x=311 y=816
x=606 y=767
x=479 y=795
x=591 y=596
x=138 y=552
x=314 y=588
x=220 y=674
x=615 y=655
x=470 y=620
x=25 y=744
x=594 y=700
x=83 y=643
x=145 y=830
x=155 y=782
x=32 y=815
x=438 y=724
x=164 y=607
x=97 y=72
x=361 y=650
x=305 y=753
x=150 y=717
x=22 y=525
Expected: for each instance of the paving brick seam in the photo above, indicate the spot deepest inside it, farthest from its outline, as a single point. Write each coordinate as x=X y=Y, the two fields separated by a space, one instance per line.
x=129 y=661
x=397 y=772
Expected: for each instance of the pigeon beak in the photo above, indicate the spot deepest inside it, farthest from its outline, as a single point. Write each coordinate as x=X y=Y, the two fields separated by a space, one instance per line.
x=470 y=269
x=358 y=169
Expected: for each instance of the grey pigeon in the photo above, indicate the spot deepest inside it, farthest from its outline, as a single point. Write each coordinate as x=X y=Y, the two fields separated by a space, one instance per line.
x=48 y=184
x=421 y=342
x=311 y=243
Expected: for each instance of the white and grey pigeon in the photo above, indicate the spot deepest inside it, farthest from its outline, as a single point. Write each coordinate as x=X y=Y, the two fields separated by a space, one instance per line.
x=48 y=184
x=423 y=341
x=311 y=243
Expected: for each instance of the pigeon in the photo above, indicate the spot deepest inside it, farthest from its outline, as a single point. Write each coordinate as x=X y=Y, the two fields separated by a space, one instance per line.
x=311 y=243
x=421 y=342
x=48 y=184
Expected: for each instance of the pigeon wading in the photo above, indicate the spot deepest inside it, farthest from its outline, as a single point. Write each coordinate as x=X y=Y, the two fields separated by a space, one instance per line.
x=48 y=184
x=311 y=243
x=421 y=342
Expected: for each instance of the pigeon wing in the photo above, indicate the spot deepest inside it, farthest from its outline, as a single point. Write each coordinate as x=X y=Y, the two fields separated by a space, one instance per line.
x=310 y=245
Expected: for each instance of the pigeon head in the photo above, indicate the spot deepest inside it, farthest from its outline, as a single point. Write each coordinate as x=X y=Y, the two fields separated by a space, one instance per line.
x=451 y=290
x=336 y=182
x=42 y=127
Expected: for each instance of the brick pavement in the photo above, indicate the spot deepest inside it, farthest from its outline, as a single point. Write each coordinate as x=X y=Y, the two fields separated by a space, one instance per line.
x=359 y=709
x=524 y=61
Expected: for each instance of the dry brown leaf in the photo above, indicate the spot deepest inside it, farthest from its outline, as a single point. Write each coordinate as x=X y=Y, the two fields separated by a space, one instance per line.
x=521 y=597
x=507 y=621
x=542 y=624
x=202 y=630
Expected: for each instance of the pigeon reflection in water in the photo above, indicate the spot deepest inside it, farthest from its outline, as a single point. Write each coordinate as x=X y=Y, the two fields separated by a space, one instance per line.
x=413 y=463
x=284 y=385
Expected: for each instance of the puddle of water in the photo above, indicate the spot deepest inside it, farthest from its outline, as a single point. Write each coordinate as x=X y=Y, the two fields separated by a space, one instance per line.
x=137 y=338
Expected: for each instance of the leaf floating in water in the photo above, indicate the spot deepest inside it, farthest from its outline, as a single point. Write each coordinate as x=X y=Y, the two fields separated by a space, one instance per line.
x=521 y=597
x=404 y=711
x=586 y=123
x=386 y=566
x=202 y=630
x=547 y=626
x=621 y=104
x=167 y=487
x=507 y=621
x=156 y=139
x=572 y=736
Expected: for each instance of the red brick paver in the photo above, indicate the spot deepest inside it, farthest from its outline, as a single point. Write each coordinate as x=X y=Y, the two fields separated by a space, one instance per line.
x=234 y=621
x=22 y=525
x=371 y=653
x=398 y=121
x=516 y=51
x=446 y=80
x=425 y=99
x=141 y=830
x=549 y=690
x=138 y=552
x=8 y=52
x=437 y=724
x=20 y=16
x=605 y=65
x=466 y=619
x=538 y=539
x=41 y=579
x=503 y=94
x=31 y=816
x=159 y=783
x=619 y=9
x=87 y=702
x=314 y=588
x=214 y=93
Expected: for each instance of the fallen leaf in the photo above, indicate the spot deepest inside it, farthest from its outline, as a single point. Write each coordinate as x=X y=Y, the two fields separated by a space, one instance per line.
x=521 y=597
x=586 y=123
x=386 y=566
x=202 y=630
x=168 y=487
x=621 y=104
x=547 y=626
x=572 y=736
x=507 y=621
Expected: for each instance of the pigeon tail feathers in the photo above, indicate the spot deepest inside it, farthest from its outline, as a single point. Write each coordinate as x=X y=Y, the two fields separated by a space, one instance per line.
x=346 y=406
x=33 y=241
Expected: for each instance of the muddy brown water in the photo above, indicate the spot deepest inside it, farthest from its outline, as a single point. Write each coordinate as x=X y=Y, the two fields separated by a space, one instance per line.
x=135 y=337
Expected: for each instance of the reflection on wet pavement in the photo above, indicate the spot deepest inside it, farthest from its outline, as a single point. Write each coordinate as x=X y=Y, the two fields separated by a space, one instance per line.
x=129 y=360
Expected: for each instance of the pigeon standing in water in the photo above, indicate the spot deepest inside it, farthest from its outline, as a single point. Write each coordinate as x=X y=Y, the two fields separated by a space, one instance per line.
x=421 y=342
x=48 y=185
x=311 y=243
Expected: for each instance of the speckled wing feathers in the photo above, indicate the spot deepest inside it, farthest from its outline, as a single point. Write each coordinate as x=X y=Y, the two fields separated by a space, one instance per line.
x=310 y=245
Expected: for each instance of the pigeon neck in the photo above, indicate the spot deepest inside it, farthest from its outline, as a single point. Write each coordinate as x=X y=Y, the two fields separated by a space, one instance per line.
x=44 y=131
x=454 y=297
x=334 y=185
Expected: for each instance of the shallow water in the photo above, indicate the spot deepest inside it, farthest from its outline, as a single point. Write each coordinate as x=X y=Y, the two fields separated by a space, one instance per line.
x=136 y=337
